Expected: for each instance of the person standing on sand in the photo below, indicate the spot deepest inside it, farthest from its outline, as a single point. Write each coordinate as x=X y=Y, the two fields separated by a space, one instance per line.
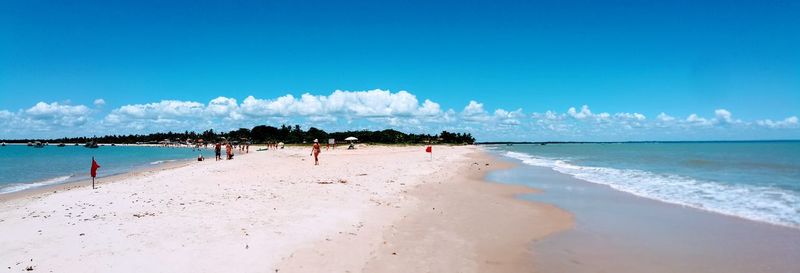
x=315 y=150
x=218 y=151
x=229 y=150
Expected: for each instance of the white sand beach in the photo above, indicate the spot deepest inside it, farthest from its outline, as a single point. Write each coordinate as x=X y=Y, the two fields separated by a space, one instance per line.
x=375 y=209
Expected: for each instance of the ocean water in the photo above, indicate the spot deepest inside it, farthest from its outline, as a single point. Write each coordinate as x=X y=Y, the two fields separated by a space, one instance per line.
x=23 y=167
x=759 y=181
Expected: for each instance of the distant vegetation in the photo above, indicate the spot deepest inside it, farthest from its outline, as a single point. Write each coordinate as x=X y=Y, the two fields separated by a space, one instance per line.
x=264 y=133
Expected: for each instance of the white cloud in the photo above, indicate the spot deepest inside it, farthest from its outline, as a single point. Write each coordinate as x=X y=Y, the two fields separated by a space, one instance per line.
x=474 y=108
x=224 y=107
x=5 y=114
x=694 y=119
x=474 y=112
x=790 y=122
x=372 y=109
x=372 y=103
x=44 y=115
x=723 y=117
x=55 y=110
x=42 y=118
x=508 y=117
x=630 y=116
x=664 y=117
x=549 y=115
x=584 y=113
x=99 y=102
x=164 y=109
x=429 y=108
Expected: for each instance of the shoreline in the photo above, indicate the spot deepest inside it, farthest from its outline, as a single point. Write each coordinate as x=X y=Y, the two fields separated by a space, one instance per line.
x=616 y=231
x=67 y=185
x=719 y=211
x=449 y=211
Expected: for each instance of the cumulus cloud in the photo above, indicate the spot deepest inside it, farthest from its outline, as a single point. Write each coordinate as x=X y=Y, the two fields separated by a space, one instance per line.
x=371 y=109
x=508 y=117
x=44 y=117
x=45 y=114
x=224 y=107
x=474 y=112
x=630 y=116
x=694 y=119
x=429 y=108
x=474 y=108
x=790 y=122
x=55 y=110
x=722 y=116
x=381 y=106
x=584 y=113
x=663 y=117
x=363 y=104
x=164 y=109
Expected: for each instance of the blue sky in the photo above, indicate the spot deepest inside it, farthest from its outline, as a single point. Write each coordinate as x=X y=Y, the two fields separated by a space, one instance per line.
x=503 y=70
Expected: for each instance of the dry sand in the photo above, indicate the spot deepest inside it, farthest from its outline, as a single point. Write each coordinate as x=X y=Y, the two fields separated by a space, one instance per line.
x=376 y=209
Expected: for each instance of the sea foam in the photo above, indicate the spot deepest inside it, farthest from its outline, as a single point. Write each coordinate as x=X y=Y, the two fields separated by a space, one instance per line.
x=161 y=162
x=24 y=186
x=758 y=203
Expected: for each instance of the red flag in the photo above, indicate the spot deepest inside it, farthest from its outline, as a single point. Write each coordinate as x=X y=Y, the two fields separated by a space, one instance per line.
x=429 y=149
x=94 y=167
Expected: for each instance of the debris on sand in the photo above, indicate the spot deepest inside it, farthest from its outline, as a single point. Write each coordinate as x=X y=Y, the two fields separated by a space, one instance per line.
x=140 y=215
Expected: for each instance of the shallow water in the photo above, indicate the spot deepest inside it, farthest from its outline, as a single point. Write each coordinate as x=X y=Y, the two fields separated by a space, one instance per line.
x=754 y=180
x=619 y=232
x=23 y=167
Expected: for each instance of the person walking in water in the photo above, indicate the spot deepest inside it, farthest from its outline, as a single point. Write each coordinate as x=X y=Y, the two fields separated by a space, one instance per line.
x=315 y=150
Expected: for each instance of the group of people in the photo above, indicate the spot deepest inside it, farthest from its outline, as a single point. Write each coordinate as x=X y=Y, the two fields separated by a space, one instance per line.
x=229 y=150
x=315 y=150
x=274 y=145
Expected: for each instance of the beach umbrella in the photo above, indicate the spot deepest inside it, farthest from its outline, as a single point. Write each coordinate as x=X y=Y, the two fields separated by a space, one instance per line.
x=351 y=139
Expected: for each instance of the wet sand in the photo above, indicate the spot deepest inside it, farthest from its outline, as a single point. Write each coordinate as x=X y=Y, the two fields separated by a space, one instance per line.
x=455 y=223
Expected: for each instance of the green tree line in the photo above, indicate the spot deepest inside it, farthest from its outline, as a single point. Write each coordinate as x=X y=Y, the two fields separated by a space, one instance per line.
x=266 y=133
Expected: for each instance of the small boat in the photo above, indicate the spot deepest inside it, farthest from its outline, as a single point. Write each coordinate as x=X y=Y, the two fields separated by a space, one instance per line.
x=76 y=144
x=61 y=145
x=30 y=144
x=38 y=145
x=2 y=144
x=91 y=144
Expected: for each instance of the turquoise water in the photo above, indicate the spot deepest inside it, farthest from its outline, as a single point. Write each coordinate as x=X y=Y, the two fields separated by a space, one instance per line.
x=23 y=167
x=754 y=180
